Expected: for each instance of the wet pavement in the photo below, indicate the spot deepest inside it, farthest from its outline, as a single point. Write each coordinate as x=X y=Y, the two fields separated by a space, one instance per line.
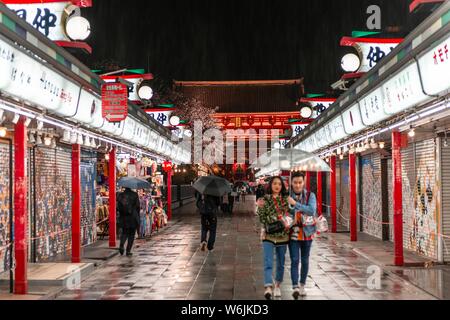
x=171 y=266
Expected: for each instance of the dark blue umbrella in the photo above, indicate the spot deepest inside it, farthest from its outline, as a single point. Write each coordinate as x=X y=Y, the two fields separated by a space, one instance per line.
x=213 y=186
x=134 y=183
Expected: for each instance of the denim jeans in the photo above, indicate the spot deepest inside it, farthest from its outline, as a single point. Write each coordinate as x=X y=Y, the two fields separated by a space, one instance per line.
x=299 y=249
x=209 y=224
x=280 y=252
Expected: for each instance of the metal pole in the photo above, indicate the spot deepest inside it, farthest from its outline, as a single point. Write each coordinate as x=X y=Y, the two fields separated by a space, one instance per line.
x=20 y=207
x=353 y=202
x=76 y=204
x=169 y=195
x=398 y=198
x=112 y=198
x=333 y=194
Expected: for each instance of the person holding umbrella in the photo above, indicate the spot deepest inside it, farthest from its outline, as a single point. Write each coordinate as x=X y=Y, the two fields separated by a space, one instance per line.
x=209 y=190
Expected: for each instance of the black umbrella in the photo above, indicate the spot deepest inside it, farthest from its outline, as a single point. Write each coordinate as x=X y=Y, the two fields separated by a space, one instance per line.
x=134 y=183
x=212 y=186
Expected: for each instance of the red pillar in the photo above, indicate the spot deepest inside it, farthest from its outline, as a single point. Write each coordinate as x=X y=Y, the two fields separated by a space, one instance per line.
x=112 y=198
x=76 y=204
x=398 y=197
x=308 y=181
x=333 y=195
x=319 y=194
x=20 y=207
x=169 y=195
x=353 y=208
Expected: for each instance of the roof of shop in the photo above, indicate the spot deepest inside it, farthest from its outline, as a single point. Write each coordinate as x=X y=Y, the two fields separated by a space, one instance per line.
x=245 y=96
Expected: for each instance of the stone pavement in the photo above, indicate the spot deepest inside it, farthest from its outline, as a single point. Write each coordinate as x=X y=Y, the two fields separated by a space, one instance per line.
x=171 y=266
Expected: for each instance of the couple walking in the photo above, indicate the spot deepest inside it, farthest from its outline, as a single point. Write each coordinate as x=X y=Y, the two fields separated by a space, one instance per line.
x=288 y=223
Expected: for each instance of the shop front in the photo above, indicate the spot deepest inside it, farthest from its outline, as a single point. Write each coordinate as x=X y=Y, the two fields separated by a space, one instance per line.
x=388 y=135
x=61 y=186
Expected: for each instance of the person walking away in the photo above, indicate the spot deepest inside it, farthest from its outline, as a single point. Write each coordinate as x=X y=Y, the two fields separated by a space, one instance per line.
x=129 y=208
x=230 y=203
x=274 y=214
x=225 y=204
x=244 y=193
x=303 y=205
x=208 y=207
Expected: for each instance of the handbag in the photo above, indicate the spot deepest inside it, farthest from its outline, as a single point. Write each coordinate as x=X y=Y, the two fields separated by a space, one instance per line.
x=322 y=224
x=275 y=227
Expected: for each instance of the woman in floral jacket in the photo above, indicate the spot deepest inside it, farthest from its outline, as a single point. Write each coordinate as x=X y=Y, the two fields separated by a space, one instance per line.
x=272 y=208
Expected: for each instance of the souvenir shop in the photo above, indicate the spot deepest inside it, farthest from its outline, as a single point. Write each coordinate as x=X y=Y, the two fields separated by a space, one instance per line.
x=57 y=179
x=396 y=125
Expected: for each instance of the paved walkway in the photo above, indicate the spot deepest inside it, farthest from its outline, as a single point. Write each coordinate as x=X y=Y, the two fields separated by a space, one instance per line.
x=171 y=266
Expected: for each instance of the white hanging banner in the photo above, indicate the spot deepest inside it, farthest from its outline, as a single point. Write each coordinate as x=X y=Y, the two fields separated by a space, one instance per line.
x=372 y=110
x=161 y=115
x=352 y=119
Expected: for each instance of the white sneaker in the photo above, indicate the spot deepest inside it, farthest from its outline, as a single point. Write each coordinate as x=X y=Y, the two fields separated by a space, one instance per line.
x=268 y=293
x=277 y=292
x=302 y=291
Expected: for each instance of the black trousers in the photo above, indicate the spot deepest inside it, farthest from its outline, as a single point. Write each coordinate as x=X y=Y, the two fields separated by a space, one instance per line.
x=209 y=224
x=127 y=235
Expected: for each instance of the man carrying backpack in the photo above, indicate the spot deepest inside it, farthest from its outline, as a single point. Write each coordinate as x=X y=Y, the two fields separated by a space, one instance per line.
x=208 y=207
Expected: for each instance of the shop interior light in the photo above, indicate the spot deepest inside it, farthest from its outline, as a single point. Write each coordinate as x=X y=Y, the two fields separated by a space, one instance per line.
x=39 y=139
x=16 y=118
x=3 y=132
x=382 y=145
x=107 y=157
x=373 y=144
x=80 y=139
x=32 y=139
x=341 y=157
x=78 y=28
x=40 y=125
x=53 y=144
x=350 y=62
x=48 y=141
x=412 y=132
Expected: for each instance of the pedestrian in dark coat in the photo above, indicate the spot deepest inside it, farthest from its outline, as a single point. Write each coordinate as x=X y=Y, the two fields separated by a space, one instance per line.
x=129 y=208
x=208 y=207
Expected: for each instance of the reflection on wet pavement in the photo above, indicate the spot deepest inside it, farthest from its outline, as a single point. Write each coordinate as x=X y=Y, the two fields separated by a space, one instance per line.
x=172 y=267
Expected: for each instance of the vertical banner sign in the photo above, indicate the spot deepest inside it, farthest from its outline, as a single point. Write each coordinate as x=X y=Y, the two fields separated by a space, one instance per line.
x=114 y=102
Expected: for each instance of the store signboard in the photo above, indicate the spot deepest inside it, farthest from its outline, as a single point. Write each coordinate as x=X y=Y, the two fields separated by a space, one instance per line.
x=298 y=128
x=435 y=68
x=319 y=105
x=372 y=110
x=114 y=102
x=47 y=17
x=336 y=129
x=403 y=90
x=162 y=116
x=352 y=119
x=26 y=78
x=134 y=79
x=89 y=110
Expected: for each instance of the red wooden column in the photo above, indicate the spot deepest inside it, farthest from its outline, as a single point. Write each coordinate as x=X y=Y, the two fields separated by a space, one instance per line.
x=398 y=197
x=319 y=194
x=169 y=195
x=353 y=204
x=20 y=207
x=308 y=181
x=333 y=194
x=112 y=198
x=76 y=204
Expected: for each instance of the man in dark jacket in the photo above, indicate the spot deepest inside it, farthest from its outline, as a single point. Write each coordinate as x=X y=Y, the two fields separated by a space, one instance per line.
x=208 y=207
x=129 y=207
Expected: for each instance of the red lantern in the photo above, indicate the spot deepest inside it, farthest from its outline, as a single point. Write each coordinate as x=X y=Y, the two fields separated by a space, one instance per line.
x=167 y=166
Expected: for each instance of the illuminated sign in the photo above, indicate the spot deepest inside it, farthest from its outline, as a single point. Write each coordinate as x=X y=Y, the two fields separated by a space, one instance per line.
x=352 y=120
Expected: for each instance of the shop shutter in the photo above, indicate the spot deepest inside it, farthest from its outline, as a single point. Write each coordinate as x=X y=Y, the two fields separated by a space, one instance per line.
x=371 y=195
x=88 y=172
x=53 y=193
x=445 y=165
x=5 y=181
x=408 y=185
x=390 y=200
x=422 y=238
x=344 y=216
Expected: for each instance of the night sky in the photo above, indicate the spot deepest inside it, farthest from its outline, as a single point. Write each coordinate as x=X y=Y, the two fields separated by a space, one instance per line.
x=233 y=40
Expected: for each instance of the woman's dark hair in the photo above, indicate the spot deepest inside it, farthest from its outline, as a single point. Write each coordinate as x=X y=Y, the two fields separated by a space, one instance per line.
x=283 y=187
